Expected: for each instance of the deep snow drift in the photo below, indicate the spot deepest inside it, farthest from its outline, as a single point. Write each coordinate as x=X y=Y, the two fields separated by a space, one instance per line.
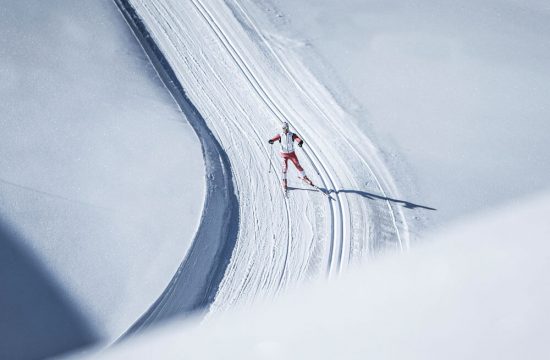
x=101 y=178
x=477 y=291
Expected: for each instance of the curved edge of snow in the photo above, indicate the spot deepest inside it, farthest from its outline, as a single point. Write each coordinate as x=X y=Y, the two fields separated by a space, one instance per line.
x=238 y=84
x=471 y=290
x=196 y=281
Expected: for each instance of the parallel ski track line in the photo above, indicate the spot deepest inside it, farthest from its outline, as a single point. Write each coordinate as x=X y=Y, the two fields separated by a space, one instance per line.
x=334 y=264
x=272 y=166
x=244 y=68
x=327 y=118
x=166 y=14
x=274 y=108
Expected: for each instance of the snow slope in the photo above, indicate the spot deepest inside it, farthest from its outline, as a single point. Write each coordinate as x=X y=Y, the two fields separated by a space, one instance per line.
x=244 y=88
x=195 y=284
x=455 y=93
x=478 y=290
x=102 y=180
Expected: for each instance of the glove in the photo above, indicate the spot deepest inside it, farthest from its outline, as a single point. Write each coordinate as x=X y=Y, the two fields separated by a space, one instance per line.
x=301 y=143
x=271 y=142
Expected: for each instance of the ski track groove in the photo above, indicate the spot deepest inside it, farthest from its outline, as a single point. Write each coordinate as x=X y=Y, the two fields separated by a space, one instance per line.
x=342 y=221
x=327 y=118
x=261 y=145
x=223 y=38
x=279 y=114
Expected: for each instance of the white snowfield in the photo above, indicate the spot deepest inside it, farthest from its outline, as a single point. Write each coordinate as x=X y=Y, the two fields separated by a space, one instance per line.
x=101 y=182
x=479 y=290
x=102 y=179
x=244 y=87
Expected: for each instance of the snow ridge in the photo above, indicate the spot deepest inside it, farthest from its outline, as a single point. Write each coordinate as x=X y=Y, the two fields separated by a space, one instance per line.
x=196 y=281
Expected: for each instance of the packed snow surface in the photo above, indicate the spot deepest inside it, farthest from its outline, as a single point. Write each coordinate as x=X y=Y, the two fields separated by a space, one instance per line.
x=245 y=88
x=196 y=282
x=454 y=93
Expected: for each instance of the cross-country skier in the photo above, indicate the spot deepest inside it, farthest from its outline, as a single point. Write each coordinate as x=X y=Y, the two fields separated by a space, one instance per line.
x=287 y=139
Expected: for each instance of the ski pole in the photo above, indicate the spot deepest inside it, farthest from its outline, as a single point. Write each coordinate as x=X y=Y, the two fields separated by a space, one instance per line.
x=269 y=160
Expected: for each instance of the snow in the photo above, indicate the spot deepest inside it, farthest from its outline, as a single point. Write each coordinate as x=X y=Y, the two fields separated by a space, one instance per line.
x=194 y=285
x=414 y=115
x=102 y=180
x=215 y=49
x=478 y=290
x=453 y=93
x=465 y=290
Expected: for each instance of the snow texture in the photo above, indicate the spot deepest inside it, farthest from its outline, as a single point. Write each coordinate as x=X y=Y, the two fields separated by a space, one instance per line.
x=244 y=88
x=455 y=93
x=479 y=290
x=474 y=292
x=101 y=178
x=195 y=284
x=454 y=96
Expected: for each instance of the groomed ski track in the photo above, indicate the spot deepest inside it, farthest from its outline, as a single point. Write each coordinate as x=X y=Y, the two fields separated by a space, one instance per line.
x=244 y=85
x=196 y=281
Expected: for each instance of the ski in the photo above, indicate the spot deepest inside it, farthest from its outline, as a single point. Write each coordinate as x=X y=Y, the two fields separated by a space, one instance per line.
x=317 y=188
x=322 y=192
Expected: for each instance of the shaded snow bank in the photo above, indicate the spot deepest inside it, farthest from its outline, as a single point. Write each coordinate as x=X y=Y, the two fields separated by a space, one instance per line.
x=194 y=285
x=101 y=178
x=478 y=290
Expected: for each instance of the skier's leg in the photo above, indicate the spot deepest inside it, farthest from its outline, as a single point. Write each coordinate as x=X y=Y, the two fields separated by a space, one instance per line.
x=300 y=169
x=296 y=163
x=285 y=169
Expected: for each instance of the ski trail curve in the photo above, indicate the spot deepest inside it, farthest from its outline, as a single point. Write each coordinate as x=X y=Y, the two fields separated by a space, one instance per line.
x=337 y=221
x=193 y=287
x=243 y=89
x=318 y=107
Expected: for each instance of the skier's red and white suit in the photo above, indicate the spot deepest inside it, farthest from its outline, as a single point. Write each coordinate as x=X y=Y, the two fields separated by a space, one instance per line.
x=287 y=151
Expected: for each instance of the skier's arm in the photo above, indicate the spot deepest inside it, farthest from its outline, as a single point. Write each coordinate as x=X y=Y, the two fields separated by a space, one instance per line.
x=275 y=138
x=297 y=138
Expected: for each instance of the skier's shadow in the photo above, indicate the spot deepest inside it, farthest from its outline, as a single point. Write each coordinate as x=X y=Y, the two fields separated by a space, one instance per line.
x=370 y=196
